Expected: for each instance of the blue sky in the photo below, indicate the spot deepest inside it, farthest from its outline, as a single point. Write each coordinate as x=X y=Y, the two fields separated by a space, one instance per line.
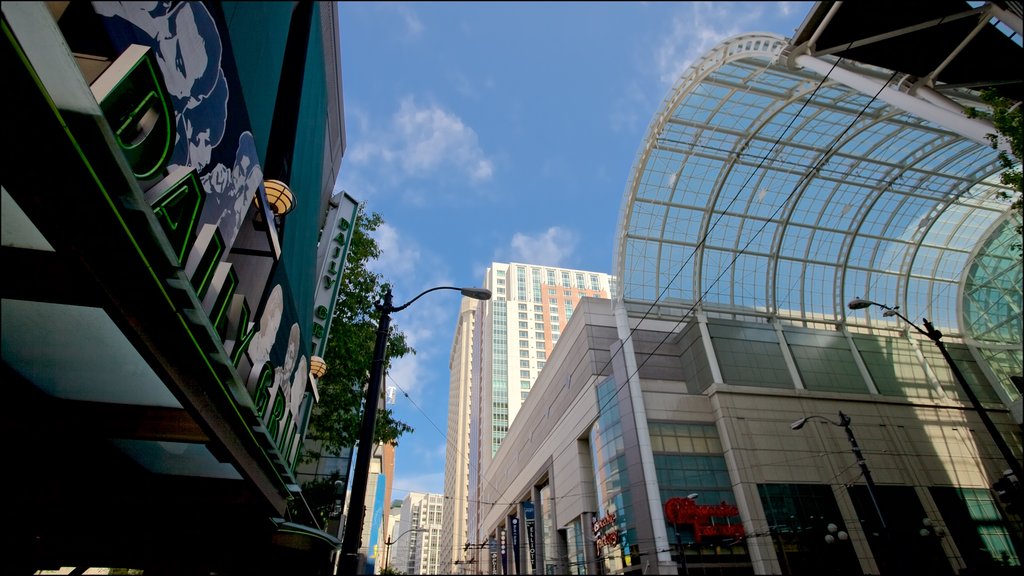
x=496 y=132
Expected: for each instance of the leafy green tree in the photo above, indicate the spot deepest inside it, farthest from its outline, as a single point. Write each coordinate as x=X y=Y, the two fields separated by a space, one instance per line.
x=337 y=417
x=1006 y=116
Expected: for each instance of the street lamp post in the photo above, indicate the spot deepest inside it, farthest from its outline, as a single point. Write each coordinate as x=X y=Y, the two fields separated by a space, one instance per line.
x=679 y=537
x=354 y=522
x=844 y=423
x=936 y=337
x=389 y=542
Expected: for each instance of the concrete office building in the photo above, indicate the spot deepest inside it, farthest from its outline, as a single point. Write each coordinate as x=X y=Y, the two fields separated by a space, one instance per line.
x=728 y=412
x=168 y=168
x=497 y=354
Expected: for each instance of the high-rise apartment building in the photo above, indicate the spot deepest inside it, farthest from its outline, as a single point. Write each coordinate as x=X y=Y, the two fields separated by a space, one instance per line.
x=499 y=349
x=519 y=327
x=416 y=548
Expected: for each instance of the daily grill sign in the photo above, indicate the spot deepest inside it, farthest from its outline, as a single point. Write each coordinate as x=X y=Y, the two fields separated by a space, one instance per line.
x=701 y=517
x=188 y=144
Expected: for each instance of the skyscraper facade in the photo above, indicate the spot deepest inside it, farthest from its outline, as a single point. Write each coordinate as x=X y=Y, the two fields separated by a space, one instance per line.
x=499 y=349
x=454 y=534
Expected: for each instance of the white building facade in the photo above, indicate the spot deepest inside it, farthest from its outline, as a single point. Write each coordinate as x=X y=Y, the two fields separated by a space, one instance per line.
x=416 y=546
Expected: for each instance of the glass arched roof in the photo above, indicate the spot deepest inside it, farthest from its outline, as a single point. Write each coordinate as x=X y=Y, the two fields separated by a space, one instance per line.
x=764 y=189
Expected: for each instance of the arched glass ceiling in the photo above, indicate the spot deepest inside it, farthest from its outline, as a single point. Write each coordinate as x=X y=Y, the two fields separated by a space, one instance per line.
x=761 y=189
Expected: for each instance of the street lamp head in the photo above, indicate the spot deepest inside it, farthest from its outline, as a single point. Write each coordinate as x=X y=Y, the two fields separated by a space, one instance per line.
x=476 y=293
x=799 y=423
x=859 y=303
x=693 y=496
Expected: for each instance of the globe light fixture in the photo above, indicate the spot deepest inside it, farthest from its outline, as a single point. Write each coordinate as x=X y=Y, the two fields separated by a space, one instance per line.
x=280 y=197
x=317 y=367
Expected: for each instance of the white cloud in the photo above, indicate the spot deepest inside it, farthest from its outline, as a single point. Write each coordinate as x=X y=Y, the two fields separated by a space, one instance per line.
x=420 y=142
x=431 y=137
x=399 y=256
x=698 y=28
x=552 y=247
x=413 y=25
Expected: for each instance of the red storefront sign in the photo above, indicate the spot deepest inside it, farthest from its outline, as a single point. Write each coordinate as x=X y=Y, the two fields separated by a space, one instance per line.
x=686 y=511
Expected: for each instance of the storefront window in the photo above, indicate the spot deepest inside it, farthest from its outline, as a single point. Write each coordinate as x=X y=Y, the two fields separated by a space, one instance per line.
x=614 y=527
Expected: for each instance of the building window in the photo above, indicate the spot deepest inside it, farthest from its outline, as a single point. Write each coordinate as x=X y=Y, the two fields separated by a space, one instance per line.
x=524 y=384
x=524 y=334
x=524 y=316
x=524 y=324
x=524 y=343
x=540 y=365
x=538 y=325
x=522 y=306
x=524 y=373
x=539 y=335
x=524 y=363
x=524 y=353
x=542 y=355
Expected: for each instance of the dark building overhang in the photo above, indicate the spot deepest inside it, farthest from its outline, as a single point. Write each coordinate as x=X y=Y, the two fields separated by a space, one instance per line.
x=949 y=42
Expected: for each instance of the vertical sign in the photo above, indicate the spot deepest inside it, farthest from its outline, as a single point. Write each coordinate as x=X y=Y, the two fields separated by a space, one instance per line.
x=331 y=256
x=515 y=544
x=504 y=553
x=531 y=536
x=492 y=544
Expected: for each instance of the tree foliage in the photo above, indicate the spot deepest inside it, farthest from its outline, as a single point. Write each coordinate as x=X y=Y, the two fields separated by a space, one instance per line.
x=337 y=417
x=1005 y=114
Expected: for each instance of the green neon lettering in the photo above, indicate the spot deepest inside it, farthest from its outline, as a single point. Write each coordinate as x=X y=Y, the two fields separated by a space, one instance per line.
x=321 y=312
x=177 y=202
x=263 y=384
x=276 y=413
x=219 y=316
x=208 y=261
x=328 y=281
x=243 y=344
x=135 y=102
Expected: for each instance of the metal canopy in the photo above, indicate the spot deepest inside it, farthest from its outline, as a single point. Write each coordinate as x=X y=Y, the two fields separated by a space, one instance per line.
x=763 y=189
